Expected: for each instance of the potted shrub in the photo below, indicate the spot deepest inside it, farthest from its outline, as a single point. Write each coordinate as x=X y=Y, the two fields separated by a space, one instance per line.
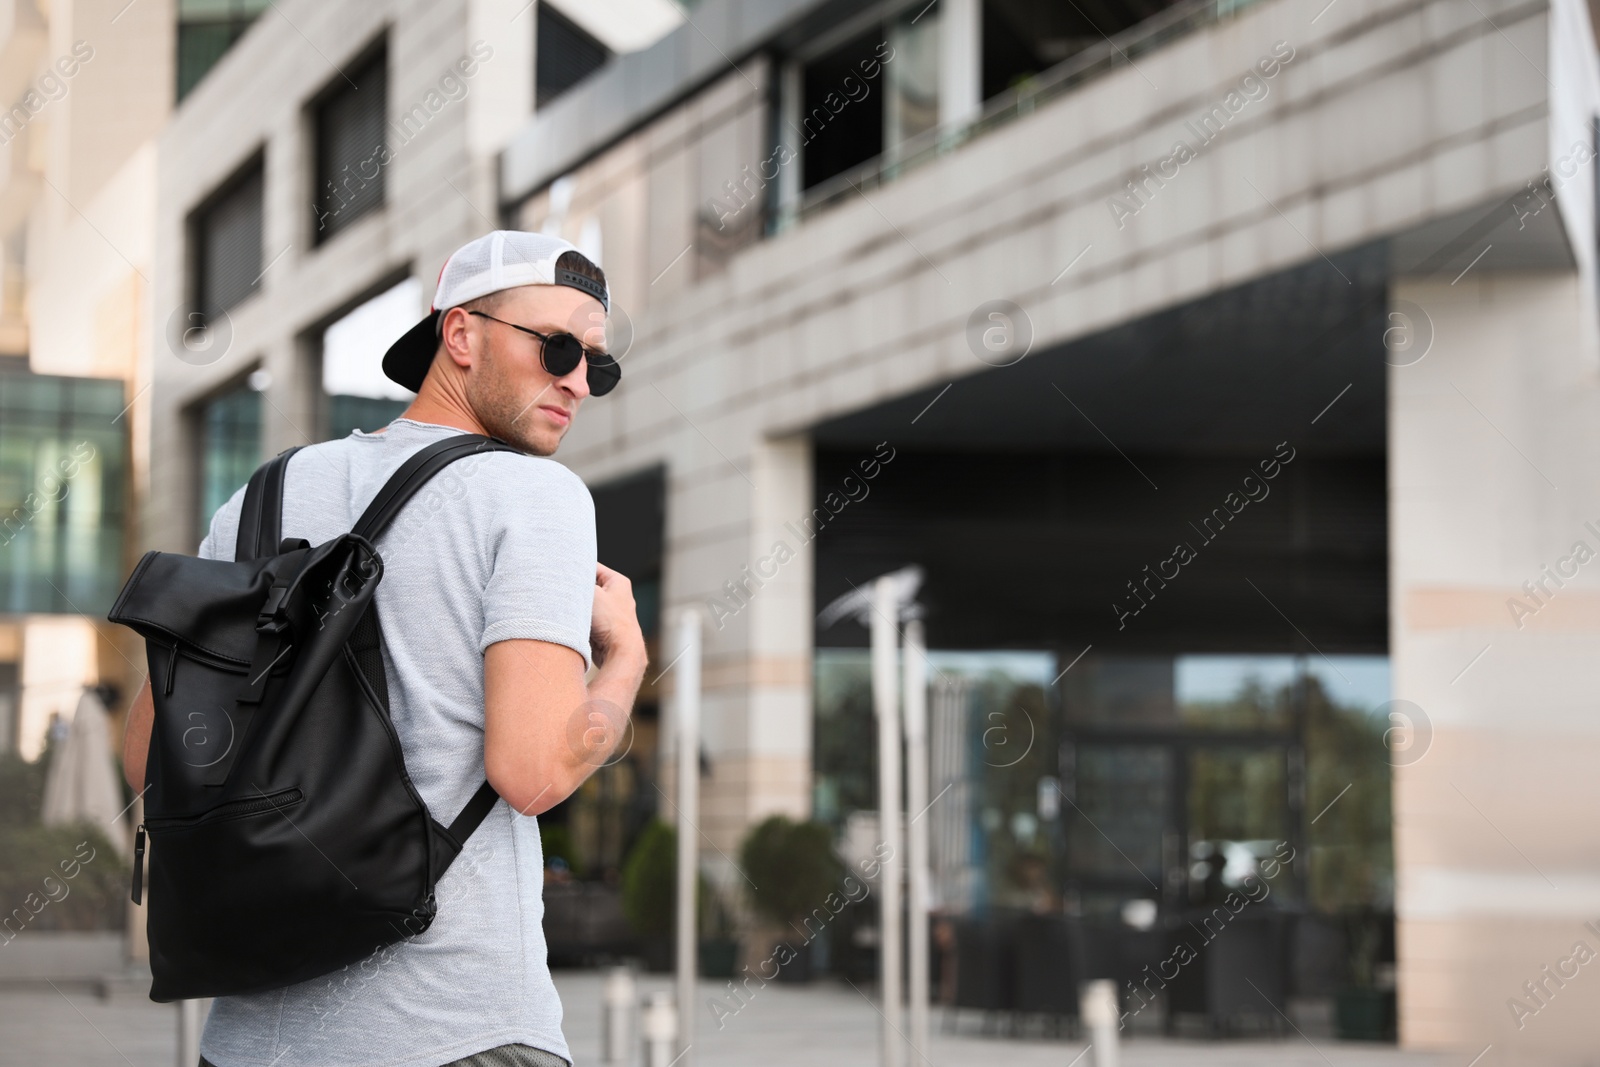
x=719 y=951
x=649 y=892
x=650 y=900
x=1364 y=1010
x=793 y=869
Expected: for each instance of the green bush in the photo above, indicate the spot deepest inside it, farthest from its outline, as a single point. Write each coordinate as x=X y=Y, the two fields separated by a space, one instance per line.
x=792 y=866
x=52 y=877
x=649 y=880
x=650 y=888
x=60 y=878
x=21 y=788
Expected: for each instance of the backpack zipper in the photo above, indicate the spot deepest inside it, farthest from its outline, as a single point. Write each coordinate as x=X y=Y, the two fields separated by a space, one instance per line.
x=138 y=865
x=235 y=809
x=188 y=650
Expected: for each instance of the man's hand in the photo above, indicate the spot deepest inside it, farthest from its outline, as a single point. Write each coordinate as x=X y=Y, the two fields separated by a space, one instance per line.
x=614 y=627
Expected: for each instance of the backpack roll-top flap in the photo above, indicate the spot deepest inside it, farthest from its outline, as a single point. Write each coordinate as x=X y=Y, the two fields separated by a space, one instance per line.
x=207 y=606
x=213 y=607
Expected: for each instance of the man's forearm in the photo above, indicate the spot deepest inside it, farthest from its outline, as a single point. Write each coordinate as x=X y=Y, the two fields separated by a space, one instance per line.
x=604 y=719
x=592 y=731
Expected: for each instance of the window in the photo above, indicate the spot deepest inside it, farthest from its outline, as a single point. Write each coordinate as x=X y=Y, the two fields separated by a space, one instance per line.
x=62 y=475
x=564 y=55
x=206 y=30
x=868 y=95
x=841 y=126
x=874 y=95
x=351 y=153
x=230 y=448
x=227 y=243
x=911 y=101
x=1022 y=38
x=356 y=394
x=630 y=520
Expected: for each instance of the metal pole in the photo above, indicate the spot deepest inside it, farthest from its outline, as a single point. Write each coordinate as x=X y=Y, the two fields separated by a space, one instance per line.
x=916 y=685
x=886 y=703
x=688 y=709
x=189 y=1022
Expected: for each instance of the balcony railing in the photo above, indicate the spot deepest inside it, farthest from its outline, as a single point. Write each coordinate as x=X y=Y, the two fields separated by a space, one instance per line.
x=1110 y=54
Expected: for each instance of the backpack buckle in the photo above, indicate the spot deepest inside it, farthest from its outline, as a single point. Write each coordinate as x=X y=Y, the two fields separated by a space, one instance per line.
x=274 y=617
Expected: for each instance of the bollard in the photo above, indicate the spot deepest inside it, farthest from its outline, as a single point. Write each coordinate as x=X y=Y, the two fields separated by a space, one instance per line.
x=660 y=1027
x=189 y=1023
x=619 y=1007
x=1098 y=1006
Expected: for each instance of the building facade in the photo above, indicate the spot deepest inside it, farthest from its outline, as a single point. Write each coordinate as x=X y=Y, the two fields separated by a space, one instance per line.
x=1229 y=369
x=87 y=85
x=1088 y=295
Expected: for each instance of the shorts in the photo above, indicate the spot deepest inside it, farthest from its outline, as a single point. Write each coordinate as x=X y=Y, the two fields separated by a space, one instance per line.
x=504 y=1056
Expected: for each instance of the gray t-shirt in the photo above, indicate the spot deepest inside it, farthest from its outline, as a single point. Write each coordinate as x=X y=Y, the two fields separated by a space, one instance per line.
x=497 y=546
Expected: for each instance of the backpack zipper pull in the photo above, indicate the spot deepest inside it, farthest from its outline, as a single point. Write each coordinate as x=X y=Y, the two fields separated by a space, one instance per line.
x=138 y=865
x=172 y=668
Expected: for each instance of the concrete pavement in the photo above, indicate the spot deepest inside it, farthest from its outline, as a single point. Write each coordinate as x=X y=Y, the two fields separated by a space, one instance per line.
x=779 y=1026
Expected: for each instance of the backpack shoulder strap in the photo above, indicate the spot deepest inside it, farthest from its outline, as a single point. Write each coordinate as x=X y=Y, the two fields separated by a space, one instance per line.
x=414 y=474
x=474 y=813
x=261 y=517
x=401 y=487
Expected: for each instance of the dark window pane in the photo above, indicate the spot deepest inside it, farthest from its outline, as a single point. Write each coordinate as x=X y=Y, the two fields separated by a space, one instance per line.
x=1021 y=38
x=230 y=448
x=351 y=154
x=566 y=55
x=836 y=131
x=1121 y=813
x=347 y=414
x=228 y=245
x=630 y=521
x=206 y=30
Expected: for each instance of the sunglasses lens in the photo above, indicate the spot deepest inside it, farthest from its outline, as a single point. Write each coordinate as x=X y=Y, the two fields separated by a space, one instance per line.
x=562 y=353
x=604 y=374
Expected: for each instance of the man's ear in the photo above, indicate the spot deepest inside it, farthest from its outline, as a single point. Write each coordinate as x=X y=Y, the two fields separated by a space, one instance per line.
x=455 y=337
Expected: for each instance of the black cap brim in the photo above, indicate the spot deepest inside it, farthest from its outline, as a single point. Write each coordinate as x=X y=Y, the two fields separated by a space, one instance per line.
x=408 y=359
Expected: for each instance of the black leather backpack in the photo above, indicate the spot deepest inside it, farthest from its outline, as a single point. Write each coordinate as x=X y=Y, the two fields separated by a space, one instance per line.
x=285 y=837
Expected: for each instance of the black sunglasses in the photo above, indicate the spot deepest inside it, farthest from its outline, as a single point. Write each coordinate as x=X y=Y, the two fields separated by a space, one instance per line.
x=560 y=354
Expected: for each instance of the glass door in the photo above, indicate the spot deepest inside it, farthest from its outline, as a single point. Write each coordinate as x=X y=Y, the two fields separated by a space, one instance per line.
x=1119 y=823
x=1237 y=814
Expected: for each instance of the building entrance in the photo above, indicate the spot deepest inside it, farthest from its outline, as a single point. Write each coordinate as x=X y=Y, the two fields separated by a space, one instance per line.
x=1173 y=516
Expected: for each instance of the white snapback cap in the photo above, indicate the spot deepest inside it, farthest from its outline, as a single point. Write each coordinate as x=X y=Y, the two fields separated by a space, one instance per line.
x=503 y=259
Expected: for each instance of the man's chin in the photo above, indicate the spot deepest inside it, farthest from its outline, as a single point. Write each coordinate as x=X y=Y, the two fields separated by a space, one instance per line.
x=543 y=442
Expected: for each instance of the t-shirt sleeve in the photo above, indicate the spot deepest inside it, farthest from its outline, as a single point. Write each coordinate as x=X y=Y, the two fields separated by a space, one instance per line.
x=223 y=536
x=541 y=577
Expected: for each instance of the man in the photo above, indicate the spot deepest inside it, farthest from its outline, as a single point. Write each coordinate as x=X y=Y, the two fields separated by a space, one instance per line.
x=492 y=606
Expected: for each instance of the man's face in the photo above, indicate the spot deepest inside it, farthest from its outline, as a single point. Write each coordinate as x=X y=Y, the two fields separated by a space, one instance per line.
x=511 y=393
